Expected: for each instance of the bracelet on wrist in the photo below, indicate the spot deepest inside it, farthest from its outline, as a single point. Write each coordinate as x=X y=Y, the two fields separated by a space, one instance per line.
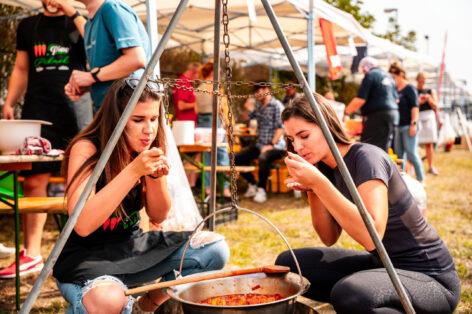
x=75 y=15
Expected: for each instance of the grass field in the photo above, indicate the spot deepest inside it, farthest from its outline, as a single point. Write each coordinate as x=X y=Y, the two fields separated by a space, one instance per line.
x=252 y=242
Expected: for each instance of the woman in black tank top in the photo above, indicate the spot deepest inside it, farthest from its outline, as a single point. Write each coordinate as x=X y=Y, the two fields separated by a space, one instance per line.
x=429 y=122
x=355 y=281
x=107 y=250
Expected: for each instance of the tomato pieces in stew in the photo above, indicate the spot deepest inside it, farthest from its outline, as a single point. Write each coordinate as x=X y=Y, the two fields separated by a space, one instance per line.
x=242 y=299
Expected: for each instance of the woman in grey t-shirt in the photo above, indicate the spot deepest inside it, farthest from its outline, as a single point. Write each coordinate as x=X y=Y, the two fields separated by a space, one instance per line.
x=355 y=281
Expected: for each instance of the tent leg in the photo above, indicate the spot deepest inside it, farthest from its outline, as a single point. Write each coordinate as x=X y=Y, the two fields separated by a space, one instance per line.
x=340 y=162
x=311 y=48
x=61 y=241
x=214 y=112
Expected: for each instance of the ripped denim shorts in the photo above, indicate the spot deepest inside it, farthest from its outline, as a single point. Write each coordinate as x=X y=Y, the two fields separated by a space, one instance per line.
x=74 y=293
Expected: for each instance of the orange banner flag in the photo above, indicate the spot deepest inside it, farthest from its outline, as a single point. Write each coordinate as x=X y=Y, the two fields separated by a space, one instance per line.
x=334 y=61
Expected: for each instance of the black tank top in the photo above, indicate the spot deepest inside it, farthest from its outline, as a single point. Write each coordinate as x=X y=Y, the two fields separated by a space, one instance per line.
x=425 y=106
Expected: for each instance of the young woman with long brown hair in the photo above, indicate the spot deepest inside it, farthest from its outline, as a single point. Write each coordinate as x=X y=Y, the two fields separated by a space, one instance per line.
x=355 y=281
x=107 y=250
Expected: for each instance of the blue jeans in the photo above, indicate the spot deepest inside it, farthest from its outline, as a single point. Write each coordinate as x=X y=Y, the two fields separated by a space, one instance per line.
x=406 y=144
x=83 y=111
x=222 y=158
x=210 y=257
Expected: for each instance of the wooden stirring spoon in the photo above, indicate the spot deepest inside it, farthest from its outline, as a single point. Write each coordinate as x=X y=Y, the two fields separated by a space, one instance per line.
x=269 y=269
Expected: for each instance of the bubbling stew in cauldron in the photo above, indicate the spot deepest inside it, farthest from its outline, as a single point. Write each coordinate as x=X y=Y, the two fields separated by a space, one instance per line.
x=242 y=299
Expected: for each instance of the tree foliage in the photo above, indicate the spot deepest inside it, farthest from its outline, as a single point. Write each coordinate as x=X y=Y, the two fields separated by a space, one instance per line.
x=395 y=35
x=8 y=24
x=354 y=7
x=367 y=20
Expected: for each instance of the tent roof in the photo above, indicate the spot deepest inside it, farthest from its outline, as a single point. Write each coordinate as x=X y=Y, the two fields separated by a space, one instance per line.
x=195 y=28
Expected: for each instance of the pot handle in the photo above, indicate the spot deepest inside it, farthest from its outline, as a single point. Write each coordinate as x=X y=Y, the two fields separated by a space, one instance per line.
x=227 y=209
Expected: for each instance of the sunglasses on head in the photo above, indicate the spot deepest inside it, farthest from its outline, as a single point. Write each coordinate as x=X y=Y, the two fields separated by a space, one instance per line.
x=133 y=82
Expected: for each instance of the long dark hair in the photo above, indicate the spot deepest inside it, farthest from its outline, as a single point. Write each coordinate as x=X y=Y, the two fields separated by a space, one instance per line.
x=301 y=108
x=100 y=129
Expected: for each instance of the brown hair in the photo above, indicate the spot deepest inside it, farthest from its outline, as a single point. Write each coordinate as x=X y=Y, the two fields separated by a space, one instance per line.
x=101 y=128
x=301 y=108
x=206 y=69
x=397 y=69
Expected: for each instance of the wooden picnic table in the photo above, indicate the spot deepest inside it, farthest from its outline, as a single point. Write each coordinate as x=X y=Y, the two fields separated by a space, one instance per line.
x=12 y=164
x=199 y=166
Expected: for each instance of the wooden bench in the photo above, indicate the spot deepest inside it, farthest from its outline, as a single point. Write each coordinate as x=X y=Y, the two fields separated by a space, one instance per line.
x=50 y=180
x=225 y=169
x=36 y=205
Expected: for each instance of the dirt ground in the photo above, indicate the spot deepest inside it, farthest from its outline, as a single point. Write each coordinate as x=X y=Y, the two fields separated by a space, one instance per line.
x=449 y=210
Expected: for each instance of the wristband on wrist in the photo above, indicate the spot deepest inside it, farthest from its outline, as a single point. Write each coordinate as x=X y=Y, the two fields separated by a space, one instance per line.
x=94 y=72
x=75 y=15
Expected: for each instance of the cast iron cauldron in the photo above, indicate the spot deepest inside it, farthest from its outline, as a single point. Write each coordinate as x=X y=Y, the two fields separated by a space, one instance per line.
x=289 y=286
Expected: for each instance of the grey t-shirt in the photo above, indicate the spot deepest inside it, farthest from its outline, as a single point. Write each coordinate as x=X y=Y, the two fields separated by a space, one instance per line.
x=410 y=241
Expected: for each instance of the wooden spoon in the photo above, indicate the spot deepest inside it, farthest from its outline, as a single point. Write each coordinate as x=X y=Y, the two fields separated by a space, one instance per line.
x=269 y=269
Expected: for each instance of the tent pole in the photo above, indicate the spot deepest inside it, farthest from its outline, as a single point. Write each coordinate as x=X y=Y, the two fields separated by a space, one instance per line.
x=340 y=162
x=61 y=241
x=214 y=112
x=152 y=30
x=311 y=47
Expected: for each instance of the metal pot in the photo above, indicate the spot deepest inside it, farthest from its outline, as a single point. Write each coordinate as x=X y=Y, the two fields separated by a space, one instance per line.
x=288 y=285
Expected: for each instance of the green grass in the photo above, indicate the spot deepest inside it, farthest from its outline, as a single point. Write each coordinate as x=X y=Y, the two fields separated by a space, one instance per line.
x=253 y=242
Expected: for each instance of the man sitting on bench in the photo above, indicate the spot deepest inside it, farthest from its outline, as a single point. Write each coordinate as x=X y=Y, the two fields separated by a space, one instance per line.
x=270 y=145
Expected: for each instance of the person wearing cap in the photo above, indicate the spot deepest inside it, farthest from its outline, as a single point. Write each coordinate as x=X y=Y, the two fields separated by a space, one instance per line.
x=377 y=102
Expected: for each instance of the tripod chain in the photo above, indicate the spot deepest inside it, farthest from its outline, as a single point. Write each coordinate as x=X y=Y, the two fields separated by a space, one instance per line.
x=171 y=83
x=229 y=131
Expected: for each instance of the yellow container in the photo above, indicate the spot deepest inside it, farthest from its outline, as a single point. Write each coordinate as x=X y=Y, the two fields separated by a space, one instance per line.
x=275 y=184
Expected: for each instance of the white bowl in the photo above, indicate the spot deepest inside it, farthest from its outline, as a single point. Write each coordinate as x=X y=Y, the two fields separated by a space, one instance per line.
x=14 y=132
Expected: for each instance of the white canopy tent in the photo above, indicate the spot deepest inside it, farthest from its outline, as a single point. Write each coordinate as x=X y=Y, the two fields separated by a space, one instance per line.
x=248 y=35
x=195 y=29
x=254 y=41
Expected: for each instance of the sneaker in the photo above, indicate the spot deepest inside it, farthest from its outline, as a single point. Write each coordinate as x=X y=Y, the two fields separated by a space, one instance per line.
x=6 y=251
x=251 y=190
x=433 y=171
x=261 y=196
x=28 y=265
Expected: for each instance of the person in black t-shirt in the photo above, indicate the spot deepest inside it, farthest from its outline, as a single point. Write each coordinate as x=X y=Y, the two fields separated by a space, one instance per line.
x=354 y=281
x=377 y=101
x=49 y=47
x=406 y=140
